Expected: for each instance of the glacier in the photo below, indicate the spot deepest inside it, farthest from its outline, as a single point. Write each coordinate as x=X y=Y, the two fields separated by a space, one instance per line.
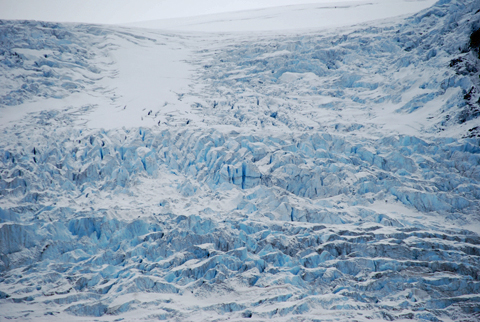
x=319 y=175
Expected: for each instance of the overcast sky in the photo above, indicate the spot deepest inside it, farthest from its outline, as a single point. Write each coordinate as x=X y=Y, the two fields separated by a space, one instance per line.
x=124 y=11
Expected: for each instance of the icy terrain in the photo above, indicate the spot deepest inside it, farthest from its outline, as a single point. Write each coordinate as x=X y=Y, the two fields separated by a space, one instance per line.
x=312 y=14
x=309 y=175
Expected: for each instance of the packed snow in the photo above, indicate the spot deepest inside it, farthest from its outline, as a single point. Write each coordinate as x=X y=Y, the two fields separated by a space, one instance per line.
x=302 y=175
x=296 y=15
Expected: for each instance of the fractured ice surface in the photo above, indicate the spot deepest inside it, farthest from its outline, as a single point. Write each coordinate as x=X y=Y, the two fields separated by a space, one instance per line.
x=288 y=196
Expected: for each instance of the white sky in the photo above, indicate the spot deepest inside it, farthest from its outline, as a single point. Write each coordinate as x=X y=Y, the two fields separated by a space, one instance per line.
x=124 y=11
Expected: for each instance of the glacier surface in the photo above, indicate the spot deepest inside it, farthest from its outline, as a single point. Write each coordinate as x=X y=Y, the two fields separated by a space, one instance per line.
x=304 y=176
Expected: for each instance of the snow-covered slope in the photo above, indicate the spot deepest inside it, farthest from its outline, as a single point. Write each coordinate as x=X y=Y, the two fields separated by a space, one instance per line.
x=320 y=175
x=297 y=15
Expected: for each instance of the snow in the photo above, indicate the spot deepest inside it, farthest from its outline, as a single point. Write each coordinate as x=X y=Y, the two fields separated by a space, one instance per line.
x=304 y=15
x=320 y=174
x=124 y=11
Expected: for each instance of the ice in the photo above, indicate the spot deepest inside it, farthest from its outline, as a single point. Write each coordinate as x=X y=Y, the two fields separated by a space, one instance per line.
x=288 y=176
